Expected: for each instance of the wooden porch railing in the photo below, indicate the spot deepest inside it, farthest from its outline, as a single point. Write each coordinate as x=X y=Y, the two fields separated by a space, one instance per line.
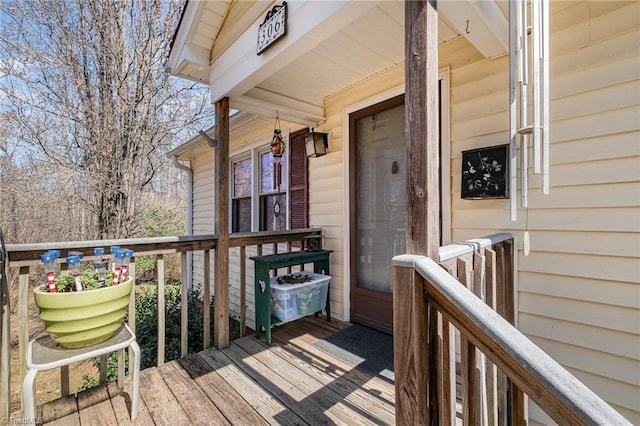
x=429 y=302
x=24 y=257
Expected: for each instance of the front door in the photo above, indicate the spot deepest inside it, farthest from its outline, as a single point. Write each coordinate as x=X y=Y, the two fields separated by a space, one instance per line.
x=377 y=181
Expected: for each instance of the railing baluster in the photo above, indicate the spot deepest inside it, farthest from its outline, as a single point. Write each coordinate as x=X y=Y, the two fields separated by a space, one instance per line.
x=243 y=289
x=470 y=406
x=206 y=260
x=436 y=367
x=491 y=373
x=518 y=406
x=448 y=382
x=184 y=306
x=500 y=280
x=503 y=403
x=479 y=289
x=102 y=369
x=132 y=308
x=470 y=385
x=161 y=308
x=23 y=320
x=509 y=282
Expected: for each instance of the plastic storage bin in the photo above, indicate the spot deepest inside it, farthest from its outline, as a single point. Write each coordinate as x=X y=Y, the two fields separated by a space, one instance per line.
x=292 y=301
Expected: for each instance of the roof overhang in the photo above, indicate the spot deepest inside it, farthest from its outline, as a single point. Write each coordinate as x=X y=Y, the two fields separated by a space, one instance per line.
x=329 y=45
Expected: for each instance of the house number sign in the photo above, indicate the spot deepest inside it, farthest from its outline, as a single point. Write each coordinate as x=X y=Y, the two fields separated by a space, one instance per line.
x=273 y=28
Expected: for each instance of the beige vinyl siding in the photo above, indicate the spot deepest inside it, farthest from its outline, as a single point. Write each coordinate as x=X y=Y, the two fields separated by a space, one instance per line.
x=203 y=206
x=579 y=289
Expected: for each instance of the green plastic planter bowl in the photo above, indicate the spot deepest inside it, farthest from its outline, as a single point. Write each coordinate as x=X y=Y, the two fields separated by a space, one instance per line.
x=85 y=318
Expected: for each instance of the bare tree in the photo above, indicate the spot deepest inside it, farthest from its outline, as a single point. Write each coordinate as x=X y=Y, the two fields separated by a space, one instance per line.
x=84 y=82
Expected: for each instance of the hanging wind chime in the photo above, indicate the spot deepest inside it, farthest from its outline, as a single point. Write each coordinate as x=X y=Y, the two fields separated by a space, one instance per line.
x=277 y=151
x=528 y=45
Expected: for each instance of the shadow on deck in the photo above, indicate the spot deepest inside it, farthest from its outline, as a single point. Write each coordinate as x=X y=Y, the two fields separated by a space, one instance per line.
x=305 y=377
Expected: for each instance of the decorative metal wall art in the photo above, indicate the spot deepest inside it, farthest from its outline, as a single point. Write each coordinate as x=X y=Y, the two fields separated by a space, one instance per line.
x=484 y=173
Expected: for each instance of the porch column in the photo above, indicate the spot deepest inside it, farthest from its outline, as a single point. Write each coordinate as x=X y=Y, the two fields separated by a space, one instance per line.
x=422 y=153
x=414 y=360
x=221 y=284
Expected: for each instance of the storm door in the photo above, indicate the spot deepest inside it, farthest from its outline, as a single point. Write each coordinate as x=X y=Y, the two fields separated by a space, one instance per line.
x=377 y=208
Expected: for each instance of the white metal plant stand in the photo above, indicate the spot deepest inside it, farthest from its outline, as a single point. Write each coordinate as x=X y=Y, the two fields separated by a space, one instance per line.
x=44 y=354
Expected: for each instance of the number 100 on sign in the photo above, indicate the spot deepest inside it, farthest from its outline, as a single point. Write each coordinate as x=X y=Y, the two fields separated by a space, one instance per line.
x=273 y=27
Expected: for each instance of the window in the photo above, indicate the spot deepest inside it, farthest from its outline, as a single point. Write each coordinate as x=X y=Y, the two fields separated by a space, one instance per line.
x=241 y=199
x=277 y=199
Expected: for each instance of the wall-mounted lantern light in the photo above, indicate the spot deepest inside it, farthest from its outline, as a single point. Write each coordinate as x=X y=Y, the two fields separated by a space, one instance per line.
x=316 y=144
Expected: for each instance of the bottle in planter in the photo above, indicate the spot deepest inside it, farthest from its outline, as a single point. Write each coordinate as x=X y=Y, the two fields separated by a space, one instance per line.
x=118 y=257
x=74 y=269
x=49 y=260
x=113 y=250
x=57 y=254
x=100 y=266
x=124 y=270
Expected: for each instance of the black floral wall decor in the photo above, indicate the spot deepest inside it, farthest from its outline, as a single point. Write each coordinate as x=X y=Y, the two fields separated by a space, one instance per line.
x=484 y=173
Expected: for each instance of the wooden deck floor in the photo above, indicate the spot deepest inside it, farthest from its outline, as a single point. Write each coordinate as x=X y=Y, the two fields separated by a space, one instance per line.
x=290 y=382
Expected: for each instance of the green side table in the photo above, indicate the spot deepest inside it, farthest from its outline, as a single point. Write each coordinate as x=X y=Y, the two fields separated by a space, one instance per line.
x=264 y=264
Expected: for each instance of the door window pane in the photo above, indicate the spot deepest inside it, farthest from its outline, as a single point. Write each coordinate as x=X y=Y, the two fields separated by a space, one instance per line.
x=380 y=181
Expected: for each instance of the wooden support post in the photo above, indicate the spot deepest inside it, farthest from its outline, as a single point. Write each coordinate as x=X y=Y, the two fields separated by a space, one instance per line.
x=421 y=115
x=221 y=283
x=414 y=361
x=410 y=350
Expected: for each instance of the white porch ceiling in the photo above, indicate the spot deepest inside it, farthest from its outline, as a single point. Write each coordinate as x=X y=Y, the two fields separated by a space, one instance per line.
x=372 y=42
